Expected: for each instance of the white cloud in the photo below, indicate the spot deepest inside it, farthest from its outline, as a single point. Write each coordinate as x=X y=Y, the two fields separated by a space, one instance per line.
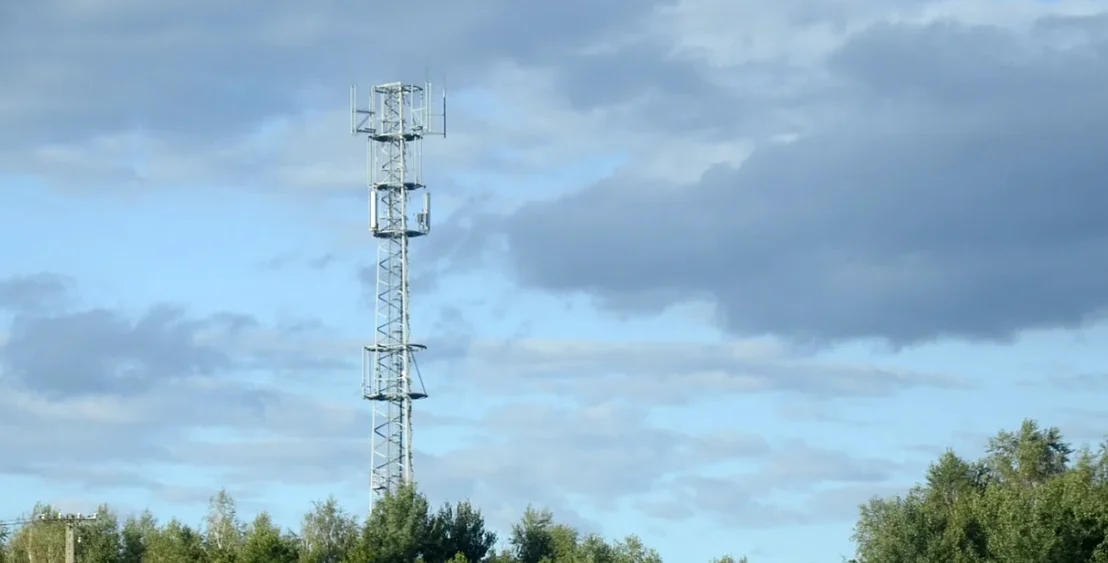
x=678 y=372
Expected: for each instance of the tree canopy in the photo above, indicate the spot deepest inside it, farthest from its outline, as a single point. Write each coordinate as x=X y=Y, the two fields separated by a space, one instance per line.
x=1031 y=498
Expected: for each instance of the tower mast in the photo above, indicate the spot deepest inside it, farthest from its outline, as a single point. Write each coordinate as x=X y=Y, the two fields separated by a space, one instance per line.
x=395 y=123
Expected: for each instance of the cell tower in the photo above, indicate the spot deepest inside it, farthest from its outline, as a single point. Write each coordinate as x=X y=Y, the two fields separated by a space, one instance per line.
x=398 y=117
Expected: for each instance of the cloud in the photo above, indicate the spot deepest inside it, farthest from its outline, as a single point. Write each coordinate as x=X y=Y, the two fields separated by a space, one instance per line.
x=163 y=390
x=535 y=450
x=673 y=372
x=954 y=193
x=81 y=109
x=286 y=260
x=111 y=391
x=106 y=351
x=33 y=293
x=280 y=53
x=796 y=484
x=612 y=455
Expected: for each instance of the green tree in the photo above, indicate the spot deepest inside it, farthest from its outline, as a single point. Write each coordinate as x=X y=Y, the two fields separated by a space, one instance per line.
x=594 y=549
x=100 y=538
x=136 y=535
x=563 y=540
x=264 y=543
x=532 y=537
x=399 y=530
x=327 y=533
x=38 y=541
x=5 y=535
x=458 y=530
x=224 y=532
x=1030 y=456
x=176 y=543
x=502 y=556
x=632 y=550
x=396 y=531
x=1025 y=501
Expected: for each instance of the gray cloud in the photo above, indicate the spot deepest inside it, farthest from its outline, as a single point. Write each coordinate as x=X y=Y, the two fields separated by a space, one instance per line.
x=75 y=69
x=1082 y=383
x=108 y=392
x=286 y=260
x=33 y=292
x=99 y=350
x=957 y=193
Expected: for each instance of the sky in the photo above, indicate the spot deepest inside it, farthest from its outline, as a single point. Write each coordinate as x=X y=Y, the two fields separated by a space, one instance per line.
x=710 y=272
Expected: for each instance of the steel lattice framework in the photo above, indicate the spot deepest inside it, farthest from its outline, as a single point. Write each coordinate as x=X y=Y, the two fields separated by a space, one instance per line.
x=395 y=124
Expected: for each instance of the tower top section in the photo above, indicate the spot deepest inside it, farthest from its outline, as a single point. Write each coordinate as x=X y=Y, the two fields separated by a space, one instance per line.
x=397 y=111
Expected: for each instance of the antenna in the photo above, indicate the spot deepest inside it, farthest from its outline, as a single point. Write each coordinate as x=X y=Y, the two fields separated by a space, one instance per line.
x=396 y=121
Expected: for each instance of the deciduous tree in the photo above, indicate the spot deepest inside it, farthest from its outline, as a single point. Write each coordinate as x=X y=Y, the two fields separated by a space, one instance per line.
x=265 y=543
x=100 y=540
x=1024 y=501
x=533 y=536
x=176 y=543
x=223 y=533
x=396 y=531
x=327 y=533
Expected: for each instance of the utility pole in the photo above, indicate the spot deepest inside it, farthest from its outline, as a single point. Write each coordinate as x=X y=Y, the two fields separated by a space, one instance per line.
x=71 y=522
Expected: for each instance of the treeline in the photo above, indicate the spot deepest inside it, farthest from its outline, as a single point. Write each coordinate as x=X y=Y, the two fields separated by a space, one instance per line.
x=401 y=529
x=1030 y=499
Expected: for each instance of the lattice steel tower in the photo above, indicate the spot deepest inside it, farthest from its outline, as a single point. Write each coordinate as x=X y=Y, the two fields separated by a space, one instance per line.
x=398 y=117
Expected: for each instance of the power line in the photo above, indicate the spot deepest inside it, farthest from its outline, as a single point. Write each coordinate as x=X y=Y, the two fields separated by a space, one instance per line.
x=70 y=520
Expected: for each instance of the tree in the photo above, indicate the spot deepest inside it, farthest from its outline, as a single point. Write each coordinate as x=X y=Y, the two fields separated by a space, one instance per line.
x=532 y=538
x=399 y=530
x=5 y=534
x=136 y=535
x=458 y=530
x=38 y=541
x=1030 y=456
x=593 y=549
x=264 y=543
x=224 y=532
x=632 y=550
x=396 y=531
x=1025 y=501
x=502 y=556
x=100 y=539
x=327 y=533
x=176 y=543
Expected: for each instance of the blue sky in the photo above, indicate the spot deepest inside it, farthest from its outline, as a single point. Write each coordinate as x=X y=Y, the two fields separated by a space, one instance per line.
x=645 y=310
